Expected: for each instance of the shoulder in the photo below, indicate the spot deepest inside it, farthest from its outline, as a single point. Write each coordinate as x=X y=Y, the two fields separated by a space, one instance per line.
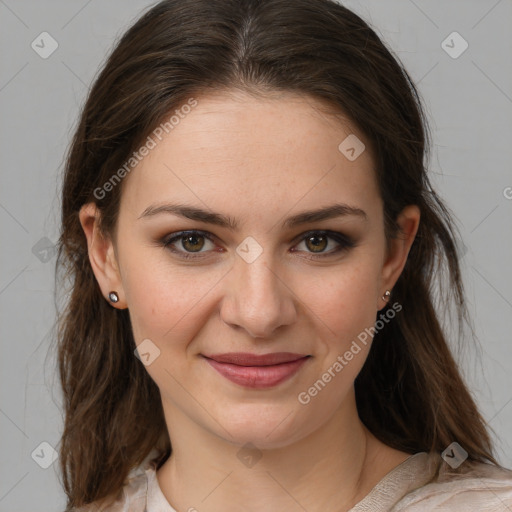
x=476 y=486
x=132 y=497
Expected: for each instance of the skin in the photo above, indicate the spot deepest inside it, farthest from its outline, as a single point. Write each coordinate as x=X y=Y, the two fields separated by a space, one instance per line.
x=258 y=161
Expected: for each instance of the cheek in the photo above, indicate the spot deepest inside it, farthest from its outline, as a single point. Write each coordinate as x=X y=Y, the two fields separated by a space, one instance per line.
x=343 y=300
x=345 y=309
x=164 y=300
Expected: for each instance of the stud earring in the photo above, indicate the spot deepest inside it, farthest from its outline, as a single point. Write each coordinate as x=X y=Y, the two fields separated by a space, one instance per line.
x=386 y=296
x=113 y=297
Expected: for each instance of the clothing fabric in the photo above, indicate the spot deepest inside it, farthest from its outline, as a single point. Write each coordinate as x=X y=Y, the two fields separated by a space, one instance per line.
x=423 y=482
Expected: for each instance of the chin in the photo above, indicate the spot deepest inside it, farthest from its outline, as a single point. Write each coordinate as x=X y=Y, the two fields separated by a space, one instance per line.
x=267 y=426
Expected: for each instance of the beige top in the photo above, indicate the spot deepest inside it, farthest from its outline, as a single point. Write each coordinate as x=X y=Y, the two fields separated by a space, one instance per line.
x=422 y=482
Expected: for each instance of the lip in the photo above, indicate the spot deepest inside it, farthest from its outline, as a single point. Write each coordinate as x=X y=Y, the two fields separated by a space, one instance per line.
x=247 y=359
x=257 y=371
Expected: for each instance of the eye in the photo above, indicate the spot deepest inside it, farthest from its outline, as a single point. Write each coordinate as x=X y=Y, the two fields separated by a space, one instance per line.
x=192 y=241
x=316 y=242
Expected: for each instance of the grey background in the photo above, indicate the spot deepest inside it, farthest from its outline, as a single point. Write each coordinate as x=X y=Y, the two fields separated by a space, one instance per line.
x=469 y=100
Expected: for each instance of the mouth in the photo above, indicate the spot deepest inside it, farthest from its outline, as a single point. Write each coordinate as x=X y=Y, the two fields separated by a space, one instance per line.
x=257 y=371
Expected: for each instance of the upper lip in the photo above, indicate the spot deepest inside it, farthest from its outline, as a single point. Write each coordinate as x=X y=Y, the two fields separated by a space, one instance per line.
x=246 y=359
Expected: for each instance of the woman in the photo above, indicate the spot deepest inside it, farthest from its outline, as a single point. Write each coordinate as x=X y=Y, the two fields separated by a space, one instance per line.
x=253 y=246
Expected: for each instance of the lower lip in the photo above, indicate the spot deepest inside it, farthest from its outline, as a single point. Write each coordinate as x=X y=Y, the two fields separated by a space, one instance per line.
x=257 y=376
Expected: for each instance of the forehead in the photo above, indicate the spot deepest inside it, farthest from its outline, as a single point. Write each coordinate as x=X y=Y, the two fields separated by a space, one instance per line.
x=232 y=148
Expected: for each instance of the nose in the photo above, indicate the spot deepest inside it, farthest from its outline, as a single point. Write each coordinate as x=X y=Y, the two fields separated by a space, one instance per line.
x=259 y=300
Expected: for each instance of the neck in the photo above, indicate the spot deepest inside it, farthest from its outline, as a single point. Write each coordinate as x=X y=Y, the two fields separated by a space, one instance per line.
x=329 y=470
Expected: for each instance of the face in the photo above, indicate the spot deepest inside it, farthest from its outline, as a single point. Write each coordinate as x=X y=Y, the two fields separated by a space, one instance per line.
x=273 y=282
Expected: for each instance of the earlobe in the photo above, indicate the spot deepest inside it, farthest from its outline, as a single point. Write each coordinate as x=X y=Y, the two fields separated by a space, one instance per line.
x=408 y=221
x=101 y=255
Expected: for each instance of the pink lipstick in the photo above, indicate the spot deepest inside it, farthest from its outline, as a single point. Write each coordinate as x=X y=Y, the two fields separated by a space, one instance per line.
x=257 y=371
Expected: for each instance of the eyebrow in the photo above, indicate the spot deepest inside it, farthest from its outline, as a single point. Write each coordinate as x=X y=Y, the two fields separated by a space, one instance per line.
x=198 y=214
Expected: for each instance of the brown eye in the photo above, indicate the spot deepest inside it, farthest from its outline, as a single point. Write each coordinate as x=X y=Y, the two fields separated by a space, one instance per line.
x=192 y=243
x=317 y=243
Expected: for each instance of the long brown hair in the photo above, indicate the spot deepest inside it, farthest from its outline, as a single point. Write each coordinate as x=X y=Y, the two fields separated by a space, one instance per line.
x=409 y=393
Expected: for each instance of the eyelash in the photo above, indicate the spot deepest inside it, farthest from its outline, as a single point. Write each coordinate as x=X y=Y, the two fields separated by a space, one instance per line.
x=345 y=242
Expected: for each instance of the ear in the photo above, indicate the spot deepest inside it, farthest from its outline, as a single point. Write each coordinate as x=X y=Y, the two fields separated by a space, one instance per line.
x=101 y=255
x=408 y=221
